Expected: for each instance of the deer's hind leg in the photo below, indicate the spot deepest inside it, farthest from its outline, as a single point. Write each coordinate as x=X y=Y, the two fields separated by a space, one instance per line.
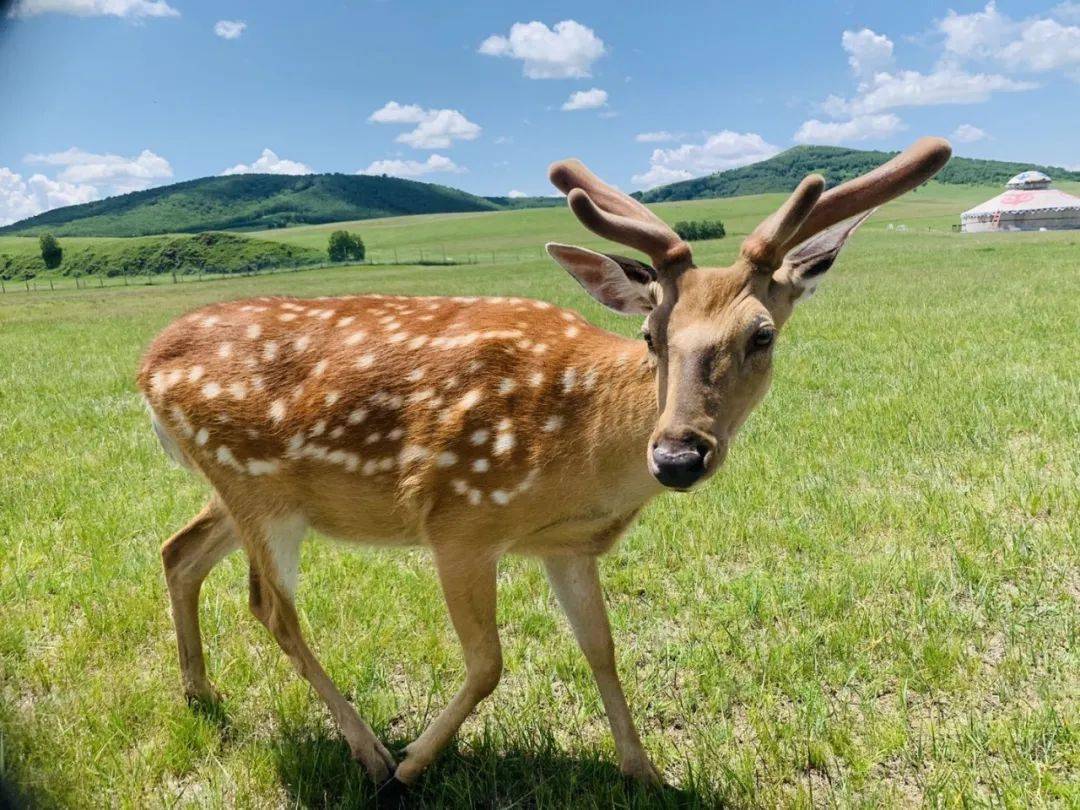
x=188 y=557
x=274 y=553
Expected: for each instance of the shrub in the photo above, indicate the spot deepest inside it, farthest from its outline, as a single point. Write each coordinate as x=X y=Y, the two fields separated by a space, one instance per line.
x=344 y=246
x=700 y=229
x=51 y=252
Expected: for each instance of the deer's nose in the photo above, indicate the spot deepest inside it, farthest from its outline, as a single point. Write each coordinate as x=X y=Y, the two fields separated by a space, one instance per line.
x=680 y=461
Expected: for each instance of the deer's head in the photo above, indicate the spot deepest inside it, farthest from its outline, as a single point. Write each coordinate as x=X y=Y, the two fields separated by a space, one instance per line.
x=711 y=331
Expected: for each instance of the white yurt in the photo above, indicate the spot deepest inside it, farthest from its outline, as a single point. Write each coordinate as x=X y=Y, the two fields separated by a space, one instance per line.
x=1028 y=204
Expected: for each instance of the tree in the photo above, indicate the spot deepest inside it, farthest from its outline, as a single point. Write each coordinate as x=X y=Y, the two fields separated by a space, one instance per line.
x=700 y=229
x=344 y=246
x=51 y=252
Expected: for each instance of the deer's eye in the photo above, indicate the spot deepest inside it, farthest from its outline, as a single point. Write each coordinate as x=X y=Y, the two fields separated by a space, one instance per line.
x=762 y=339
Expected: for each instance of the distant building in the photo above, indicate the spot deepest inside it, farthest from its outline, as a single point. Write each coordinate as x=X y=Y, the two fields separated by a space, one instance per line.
x=1028 y=204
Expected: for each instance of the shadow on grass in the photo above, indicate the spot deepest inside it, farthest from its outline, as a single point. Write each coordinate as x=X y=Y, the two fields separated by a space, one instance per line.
x=317 y=771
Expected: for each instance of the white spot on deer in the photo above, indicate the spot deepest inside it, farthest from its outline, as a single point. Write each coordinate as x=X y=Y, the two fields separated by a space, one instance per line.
x=302 y=343
x=211 y=390
x=181 y=421
x=211 y=320
x=504 y=443
x=500 y=497
x=318 y=429
x=536 y=378
x=225 y=456
x=398 y=337
x=372 y=438
x=539 y=348
x=474 y=366
x=195 y=373
x=569 y=380
x=365 y=361
x=589 y=380
x=412 y=453
x=395 y=434
x=258 y=466
x=337 y=432
x=327 y=314
x=370 y=466
x=451 y=382
x=225 y=350
x=417 y=342
x=173 y=377
x=481 y=465
x=237 y=390
x=277 y=410
x=506 y=385
x=475 y=496
x=479 y=437
x=253 y=331
x=343 y=322
x=287 y=316
x=316 y=451
x=460 y=486
x=528 y=480
x=541 y=304
x=572 y=331
x=446 y=459
x=358 y=416
x=415 y=375
x=320 y=368
x=387 y=463
x=295 y=447
x=392 y=325
x=355 y=338
x=426 y=318
x=567 y=316
x=331 y=397
x=202 y=437
x=552 y=424
x=420 y=396
x=270 y=349
x=298 y=392
x=470 y=399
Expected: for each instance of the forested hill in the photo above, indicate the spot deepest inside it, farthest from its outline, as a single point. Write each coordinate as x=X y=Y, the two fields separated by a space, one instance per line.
x=255 y=201
x=784 y=171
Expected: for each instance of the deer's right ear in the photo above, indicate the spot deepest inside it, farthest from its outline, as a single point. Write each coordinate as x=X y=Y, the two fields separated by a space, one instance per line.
x=619 y=283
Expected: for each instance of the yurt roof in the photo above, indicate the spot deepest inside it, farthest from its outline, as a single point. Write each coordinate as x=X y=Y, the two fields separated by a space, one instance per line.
x=1029 y=179
x=1020 y=200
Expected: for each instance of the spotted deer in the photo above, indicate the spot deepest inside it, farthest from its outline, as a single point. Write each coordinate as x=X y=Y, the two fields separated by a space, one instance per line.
x=479 y=427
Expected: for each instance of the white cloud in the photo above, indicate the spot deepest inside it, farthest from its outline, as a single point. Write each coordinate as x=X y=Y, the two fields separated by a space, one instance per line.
x=566 y=51
x=868 y=52
x=413 y=168
x=116 y=173
x=229 y=29
x=21 y=198
x=393 y=113
x=513 y=194
x=132 y=9
x=586 y=100
x=435 y=129
x=859 y=128
x=269 y=163
x=966 y=133
x=909 y=88
x=1037 y=44
x=721 y=150
x=662 y=136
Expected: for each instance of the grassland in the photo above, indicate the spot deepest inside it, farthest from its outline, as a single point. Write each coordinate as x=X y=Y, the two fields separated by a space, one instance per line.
x=875 y=603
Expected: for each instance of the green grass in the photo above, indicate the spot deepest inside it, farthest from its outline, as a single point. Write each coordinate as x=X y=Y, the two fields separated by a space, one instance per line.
x=874 y=603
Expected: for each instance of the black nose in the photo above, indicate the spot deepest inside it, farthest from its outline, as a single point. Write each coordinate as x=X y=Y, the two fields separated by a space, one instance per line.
x=679 y=463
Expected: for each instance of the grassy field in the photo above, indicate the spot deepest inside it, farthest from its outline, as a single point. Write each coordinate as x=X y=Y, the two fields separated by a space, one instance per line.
x=876 y=602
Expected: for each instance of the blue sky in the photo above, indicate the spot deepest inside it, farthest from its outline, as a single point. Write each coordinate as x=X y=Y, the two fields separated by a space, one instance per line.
x=106 y=96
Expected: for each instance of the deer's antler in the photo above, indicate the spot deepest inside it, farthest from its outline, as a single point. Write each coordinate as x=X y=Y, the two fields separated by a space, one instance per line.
x=808 y=212
x=613 y=215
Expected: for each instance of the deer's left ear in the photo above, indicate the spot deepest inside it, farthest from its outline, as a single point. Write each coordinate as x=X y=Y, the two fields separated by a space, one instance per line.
x=619 y=283
x=806 y=264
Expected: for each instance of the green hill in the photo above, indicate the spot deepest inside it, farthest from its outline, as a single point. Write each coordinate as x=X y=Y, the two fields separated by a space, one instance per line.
x=259 y=201
x=183 y=255
x=783 y=172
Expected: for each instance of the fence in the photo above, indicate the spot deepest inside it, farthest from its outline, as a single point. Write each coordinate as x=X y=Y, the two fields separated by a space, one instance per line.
x=423 y=257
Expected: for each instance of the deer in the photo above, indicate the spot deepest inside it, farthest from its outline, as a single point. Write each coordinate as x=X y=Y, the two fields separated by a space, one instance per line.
x=482 y=426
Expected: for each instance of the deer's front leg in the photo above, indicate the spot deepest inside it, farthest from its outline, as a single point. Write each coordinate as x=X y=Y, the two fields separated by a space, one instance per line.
x=468 y=583
x=576 y=582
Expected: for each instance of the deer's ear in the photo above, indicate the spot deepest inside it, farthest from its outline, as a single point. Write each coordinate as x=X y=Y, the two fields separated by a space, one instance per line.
x=624 y=285
x=806 y=264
